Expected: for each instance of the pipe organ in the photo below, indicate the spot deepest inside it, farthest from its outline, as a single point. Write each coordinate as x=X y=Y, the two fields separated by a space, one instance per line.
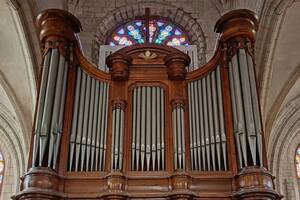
x=149 y=127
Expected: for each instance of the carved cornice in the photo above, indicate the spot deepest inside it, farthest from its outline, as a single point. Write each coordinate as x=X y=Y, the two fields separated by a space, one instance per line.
x=237 y=23
x=57 y=29
x=119 y=65
x=177 y=63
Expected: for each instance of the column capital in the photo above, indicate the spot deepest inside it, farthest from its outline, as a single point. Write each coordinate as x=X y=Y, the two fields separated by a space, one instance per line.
x=237 y=23
x=58 y=25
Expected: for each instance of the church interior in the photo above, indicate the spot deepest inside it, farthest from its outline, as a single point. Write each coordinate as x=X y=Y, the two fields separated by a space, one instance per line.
x=149 y=99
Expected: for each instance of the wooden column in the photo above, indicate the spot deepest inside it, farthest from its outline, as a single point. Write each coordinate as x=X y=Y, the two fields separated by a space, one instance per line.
x=176 y=64
x=253 y=180
x=54 y=106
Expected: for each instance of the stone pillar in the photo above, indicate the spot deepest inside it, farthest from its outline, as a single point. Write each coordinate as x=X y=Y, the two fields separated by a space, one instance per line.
x=57 y=36
x=253 y=180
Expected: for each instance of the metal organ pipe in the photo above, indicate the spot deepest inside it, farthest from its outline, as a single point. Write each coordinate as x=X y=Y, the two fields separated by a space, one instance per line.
x=89 y=124
x=239 y=109
x=147 y=129
x=221 y=116
x=55 y=112
x=208 y=137
x=247 y=120
x=49 y=98
x=40 y=106
x=50 y=109
x=234 y=113
x=75 y=118
x=255 y=104
x=99 y=135
x=247 y=100
x=117 y=135
x=178 y=135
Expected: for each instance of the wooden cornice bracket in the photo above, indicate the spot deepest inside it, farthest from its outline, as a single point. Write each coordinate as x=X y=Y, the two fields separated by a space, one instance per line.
x=237 y=23
x=57 y=23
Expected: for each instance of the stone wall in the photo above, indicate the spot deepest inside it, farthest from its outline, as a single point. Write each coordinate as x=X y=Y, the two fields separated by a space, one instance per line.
x=99 y=18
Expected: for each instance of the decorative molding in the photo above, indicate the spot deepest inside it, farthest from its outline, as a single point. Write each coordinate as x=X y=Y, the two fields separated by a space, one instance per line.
x=148 y=55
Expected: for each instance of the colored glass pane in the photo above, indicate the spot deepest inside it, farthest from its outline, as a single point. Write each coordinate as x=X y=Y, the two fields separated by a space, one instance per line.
x=160 y=32
x=297 y=160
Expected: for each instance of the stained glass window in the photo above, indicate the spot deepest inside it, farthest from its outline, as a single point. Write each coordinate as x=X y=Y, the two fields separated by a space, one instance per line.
x=156 y=32
x=1 y=169
x=297 y=160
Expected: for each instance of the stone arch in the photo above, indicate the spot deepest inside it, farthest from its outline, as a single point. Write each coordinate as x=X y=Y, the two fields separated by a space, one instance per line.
x=14 y=151
x=284 y=139
x=126 y=13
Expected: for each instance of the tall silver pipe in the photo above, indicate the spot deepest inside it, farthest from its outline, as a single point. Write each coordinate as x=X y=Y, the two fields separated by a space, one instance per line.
x=117 y=137
x=193 y=161
x=182 y=136
x=61 y=114
x=179 y=140
x=75 y=118
x=113 y=139
x=80 y=119
x=216 y=116
x=153 y=126
x=162 y=126
x=210 y=122
x=99 y=148
x=143 y=127
x=106 y=95
x=94 y=124
x=206 y=125
x=234 y=113
x=148 y=127
x=121 y=138
x=49 y=98
x=138 y=128
x=199 y=123
x=134 y=110
x=158 y=128
x=195 y=121
x=102 y=123
x=201 y=145
x=90 y=123
x=56 y=107
x=85 y=122
x=40 y=106
x=256 y=111
x=221 y=116
x=247 y=100
x=239 y=108
x=174 y=120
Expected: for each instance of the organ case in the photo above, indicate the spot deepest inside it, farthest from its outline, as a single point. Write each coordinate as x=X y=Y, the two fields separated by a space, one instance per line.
x=148 y=128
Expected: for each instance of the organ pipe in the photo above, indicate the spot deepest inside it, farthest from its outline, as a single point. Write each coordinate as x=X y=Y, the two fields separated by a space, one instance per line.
x=147 y=129
x=50 y=108
x=246 y=116
x=208 y=137
x=178 y=136
x=89 y=124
